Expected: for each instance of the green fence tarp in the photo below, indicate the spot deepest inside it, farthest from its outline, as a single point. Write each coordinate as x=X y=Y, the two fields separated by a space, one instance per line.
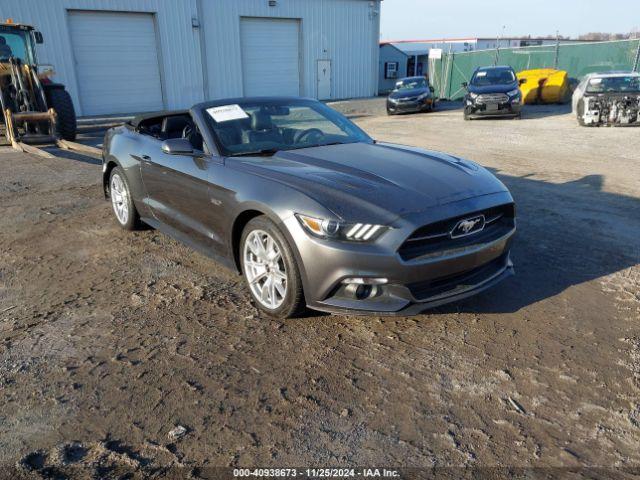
x=578 y=59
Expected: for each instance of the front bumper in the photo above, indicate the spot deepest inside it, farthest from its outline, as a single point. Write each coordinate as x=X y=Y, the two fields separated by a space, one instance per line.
x=411 y=285
x=410 y=107
x=505 y=109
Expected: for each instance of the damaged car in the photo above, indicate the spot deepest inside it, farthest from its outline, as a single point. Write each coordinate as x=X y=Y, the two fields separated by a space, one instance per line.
x=309 y=208
x=608 y=99
x=493 y=92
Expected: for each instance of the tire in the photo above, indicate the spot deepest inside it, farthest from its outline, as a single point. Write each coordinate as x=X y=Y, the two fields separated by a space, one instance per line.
x=60 y=101
x=120 y=196
x=283 y=271
x=580 y=114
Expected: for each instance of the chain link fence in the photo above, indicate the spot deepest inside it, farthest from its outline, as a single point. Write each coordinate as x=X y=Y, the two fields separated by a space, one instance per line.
x=449 y=72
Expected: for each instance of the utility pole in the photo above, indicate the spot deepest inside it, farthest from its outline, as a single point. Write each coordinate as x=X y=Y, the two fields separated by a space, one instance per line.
x=556 y=61
x=636 y=64
x=498 y=40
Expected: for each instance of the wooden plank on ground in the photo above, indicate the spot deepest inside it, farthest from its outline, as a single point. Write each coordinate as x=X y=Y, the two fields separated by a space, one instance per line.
x=33 y=150
x=67 y=145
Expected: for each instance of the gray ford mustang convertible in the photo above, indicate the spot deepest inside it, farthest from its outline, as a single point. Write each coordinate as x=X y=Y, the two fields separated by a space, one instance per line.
x=309 y=208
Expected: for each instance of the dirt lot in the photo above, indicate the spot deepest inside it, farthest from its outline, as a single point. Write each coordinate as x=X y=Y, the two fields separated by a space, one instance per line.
x=109 y=340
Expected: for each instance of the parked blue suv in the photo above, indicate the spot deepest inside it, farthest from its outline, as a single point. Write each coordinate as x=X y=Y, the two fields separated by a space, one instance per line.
x=493 y=91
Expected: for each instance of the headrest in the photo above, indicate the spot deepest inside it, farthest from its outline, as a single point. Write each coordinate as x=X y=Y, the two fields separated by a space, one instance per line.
x=261 y=121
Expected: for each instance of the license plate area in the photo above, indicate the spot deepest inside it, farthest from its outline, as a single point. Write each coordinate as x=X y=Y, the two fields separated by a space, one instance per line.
x=492 y=107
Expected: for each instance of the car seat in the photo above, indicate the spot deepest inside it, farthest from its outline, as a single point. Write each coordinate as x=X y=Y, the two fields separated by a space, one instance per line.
x=172 y=127
x=263 y=129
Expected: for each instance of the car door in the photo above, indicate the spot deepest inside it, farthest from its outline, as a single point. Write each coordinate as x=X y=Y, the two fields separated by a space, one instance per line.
x=177 y=189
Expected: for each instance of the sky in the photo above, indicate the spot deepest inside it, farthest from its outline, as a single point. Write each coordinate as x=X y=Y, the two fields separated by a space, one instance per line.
x=426 y=19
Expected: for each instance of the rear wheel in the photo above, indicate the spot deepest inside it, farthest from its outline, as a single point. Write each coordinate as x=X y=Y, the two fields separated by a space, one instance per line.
x=270 y=270
x=60 y=101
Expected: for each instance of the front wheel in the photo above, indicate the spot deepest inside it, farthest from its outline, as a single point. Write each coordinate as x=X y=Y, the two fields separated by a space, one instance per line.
x=66 y=125
x=121 y=201
x=270 y=270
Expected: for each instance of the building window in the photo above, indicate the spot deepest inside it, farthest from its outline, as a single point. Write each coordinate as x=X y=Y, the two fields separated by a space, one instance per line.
x=391 y=69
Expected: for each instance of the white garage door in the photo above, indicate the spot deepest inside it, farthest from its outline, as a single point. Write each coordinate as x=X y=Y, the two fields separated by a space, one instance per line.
x=270 y=56
x=116 y=57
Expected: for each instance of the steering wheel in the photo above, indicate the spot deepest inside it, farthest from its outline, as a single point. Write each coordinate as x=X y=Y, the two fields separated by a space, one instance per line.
x=308 y=135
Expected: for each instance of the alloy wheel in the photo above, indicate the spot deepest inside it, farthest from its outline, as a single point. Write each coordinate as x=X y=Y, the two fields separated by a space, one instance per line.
x=265 y=269
x=119 y=198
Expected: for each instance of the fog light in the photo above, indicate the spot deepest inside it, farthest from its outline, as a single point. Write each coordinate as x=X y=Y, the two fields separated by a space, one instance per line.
x=361 y=292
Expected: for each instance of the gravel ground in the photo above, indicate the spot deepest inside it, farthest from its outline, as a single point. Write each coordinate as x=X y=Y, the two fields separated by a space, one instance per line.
x=110 y=340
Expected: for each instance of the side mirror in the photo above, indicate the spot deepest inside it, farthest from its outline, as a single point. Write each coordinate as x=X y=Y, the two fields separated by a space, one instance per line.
x=177 y=146
x=465 y=84
x=522 y=81
x=38 y=37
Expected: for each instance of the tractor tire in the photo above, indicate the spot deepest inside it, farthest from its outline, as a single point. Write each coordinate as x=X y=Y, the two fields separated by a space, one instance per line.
x=60 y=101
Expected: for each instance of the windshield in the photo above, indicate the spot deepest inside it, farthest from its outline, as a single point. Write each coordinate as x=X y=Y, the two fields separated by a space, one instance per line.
x=15 y=42
x=411 y=84
x=263 y=127
x=629 y=84
x=498 y=76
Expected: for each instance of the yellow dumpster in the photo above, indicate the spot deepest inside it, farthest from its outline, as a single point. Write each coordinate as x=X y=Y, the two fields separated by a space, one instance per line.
x=544 y=85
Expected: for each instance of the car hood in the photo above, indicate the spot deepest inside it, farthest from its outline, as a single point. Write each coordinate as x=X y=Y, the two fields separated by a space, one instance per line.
x=493 y=88
x=374 y=182
x=408 y=93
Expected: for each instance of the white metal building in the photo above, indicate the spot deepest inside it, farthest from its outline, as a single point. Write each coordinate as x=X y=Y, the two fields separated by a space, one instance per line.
x=123 y=56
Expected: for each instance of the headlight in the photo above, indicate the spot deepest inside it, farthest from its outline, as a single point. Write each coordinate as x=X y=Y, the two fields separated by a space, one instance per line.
x=393 y=100
x=473 y=96
x=354 y=232
x=514 y=93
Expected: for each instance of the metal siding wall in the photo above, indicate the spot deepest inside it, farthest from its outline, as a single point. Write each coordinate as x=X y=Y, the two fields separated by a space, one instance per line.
x=180 y=61
x=343 y=31
x=340 y=30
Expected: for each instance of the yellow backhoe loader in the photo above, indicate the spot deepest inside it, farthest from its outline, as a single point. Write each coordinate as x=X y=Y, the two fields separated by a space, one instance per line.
x=35 y=110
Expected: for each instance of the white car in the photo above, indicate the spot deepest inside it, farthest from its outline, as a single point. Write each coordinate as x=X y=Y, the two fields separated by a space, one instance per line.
x=611 y=98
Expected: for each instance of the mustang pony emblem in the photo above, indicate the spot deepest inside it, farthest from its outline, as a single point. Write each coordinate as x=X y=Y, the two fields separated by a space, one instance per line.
x=468 y=226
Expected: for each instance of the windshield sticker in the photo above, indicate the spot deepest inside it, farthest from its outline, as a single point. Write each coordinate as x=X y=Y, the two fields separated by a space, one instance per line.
x=595 y=81
x=482 y=74
x=226 y=113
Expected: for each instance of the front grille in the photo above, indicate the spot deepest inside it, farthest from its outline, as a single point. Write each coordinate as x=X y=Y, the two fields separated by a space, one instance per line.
x=408 y=99
x=435 y=238
x=492 y=98
x=459 y=282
